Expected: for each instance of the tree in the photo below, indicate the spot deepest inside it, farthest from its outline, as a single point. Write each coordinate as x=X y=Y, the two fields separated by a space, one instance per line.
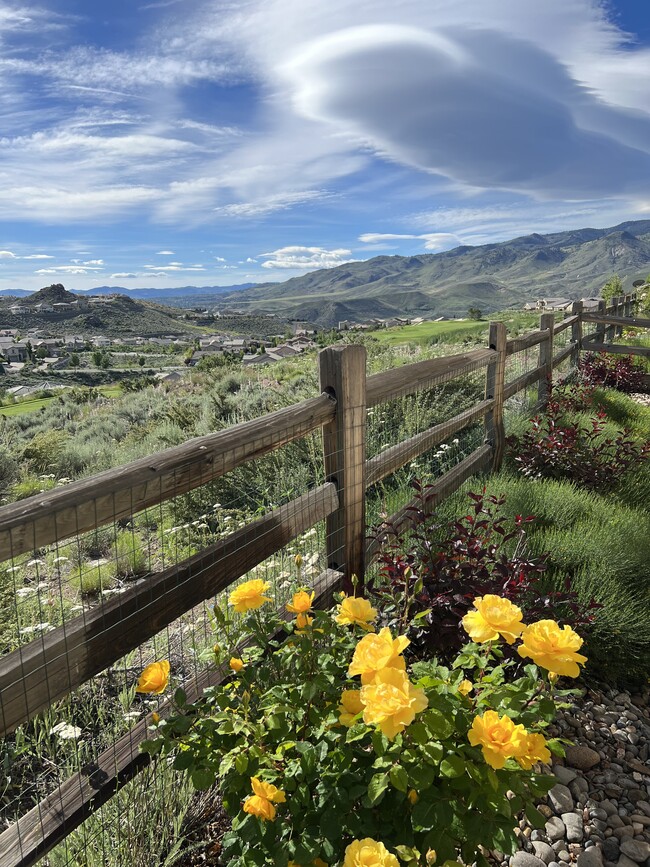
x=41 y=352
x=612 y=288
x=74 y=359
x=475 y=313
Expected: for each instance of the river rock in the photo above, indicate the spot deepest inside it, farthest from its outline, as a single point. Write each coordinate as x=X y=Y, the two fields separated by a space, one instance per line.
x=592 y=857
x=564 y=775
x=543 y=851
x=573 y=825
x=637 y=850
x=624 y=861
x=524 y=859
x=555 y=829
x=611 y=849
x=581 y=757
x=560 y=799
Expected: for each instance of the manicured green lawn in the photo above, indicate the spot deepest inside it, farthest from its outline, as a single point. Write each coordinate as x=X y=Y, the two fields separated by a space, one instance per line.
x=423 y=333
x=25 y=406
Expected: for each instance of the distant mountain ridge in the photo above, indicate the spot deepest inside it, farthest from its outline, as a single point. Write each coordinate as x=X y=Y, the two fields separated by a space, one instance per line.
x=569 y=264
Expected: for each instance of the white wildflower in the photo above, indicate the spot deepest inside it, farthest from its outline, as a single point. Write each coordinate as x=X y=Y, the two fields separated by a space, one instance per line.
x=24 y=592
x=66 y=731
x=36 y=563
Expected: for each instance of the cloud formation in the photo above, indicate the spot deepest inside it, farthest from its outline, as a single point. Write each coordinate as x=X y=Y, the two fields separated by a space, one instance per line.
x=305 y=258
x=432 y=240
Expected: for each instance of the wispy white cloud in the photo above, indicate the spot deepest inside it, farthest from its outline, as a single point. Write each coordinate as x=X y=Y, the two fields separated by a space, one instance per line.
x=269 y=204
x=7 y=254
x=432 y=241
x=305 y=258
x=38 y=256
x=165 y=253
x=122 y=275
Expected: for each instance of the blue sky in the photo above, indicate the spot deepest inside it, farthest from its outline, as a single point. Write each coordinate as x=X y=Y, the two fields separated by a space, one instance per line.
x=203 y=142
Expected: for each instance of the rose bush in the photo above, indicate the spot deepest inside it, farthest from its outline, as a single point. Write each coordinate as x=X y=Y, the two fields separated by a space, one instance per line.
x=328 y=750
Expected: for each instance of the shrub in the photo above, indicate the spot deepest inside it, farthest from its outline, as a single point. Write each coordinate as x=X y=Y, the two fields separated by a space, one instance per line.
x=436 y=570
x=93 y=576
x=130 y=554
x=554 y=447
x=308 y=765
x=614 y=371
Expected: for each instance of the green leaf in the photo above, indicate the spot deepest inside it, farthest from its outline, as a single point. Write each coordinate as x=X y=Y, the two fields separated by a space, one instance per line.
x=452 y=766
x=424 y=815
x=202 y=778
x=183 y=761
x=180 y=698
x=151 y=747
x=399 y=778
x=535 y=817
x=241 y=763
x=437 y=723
x=376 y=788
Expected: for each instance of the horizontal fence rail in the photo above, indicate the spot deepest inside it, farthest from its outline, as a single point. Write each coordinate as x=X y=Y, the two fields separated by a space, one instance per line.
x=423 y=374
x=43 y=671
x=54 y=665
x=47 y=824
x=119 y=493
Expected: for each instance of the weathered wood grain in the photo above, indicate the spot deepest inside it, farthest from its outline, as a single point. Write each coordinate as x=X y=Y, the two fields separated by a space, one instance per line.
x=619 y=349
x=423 y=374
x=47 y=824
x=518 y=344
x=627 y=322
x=48 y=669
x=495 y=433
x=546 y=324
x=576 y=332
x=567 y=322
x=343 y=374
x=121 y=492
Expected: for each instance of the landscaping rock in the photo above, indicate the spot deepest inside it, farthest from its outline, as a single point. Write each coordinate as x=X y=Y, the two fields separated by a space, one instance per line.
x=564 y=775
x=560 y=799
x=581 y=757
x=637 y=850
x=555 y=829
x=543 y=851
x=574 y=829
x=592 y=857
x=524 y=859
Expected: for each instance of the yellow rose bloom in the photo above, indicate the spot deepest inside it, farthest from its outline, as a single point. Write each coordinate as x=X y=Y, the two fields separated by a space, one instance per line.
x=413 y=796
x=534 y=750
x=465 y=687
x=301 y=602
x=260 y=803
x=350 y=706
x=303 y=621
x=154 y=678
x=155 y=718
x=494 y=616
x=552 y=647
x=499 y=738
x=236 y=664
x=391 y=701
x=378 y=651
x=355 y=610
x=368 y=853
x=249 y=595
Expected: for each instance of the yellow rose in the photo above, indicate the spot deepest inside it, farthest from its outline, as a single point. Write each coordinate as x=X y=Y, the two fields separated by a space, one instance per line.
x=154 y=678
x=155 y=718
x=465 y=687
x=552 y=647
x=249 y=595
x=368 y=853
x=376 y=652
x=391 y=701
x=494 y=616
x=260 y=803
x=236 y=664
x=350 y=706
x=356 y=610
x=499 y=737
x=413 y=796
x=303 y=621
x=301 y=602
x=534 y=750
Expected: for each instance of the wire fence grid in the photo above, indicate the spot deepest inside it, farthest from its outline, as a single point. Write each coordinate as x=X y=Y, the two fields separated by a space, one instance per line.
x=129 y=573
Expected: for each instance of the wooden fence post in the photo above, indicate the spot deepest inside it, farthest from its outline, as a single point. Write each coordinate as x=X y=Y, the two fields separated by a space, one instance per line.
x=576 y=334
x=494 y=382
x=343 y=374
x=617 y=304
x=546 y=323
x=600 y=328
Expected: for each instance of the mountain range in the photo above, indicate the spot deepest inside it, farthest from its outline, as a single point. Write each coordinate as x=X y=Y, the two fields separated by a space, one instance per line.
x=571 y=264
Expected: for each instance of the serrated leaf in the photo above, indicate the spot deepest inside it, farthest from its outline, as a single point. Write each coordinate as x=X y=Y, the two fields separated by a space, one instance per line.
x=376 y=788
x=452 y=766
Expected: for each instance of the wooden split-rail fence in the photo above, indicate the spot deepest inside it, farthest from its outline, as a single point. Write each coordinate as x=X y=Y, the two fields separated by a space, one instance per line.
x=48 y=669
